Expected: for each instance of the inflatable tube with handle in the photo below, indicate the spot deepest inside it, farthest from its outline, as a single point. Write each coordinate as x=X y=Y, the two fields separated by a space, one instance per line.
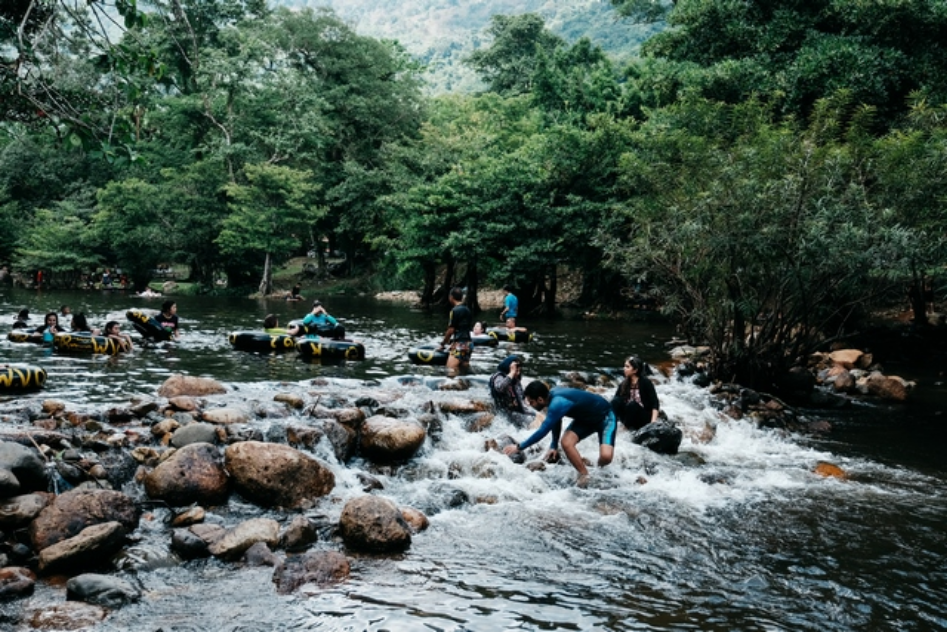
x=262 y=342
x=503 y=334
x=21 y=377
x=330 y=349
x=148 y=326
x=24 y=335
x=86 y=343
x=429 y=354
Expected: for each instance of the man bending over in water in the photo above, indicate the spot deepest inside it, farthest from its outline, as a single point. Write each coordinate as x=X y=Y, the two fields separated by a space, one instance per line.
x=589 y=412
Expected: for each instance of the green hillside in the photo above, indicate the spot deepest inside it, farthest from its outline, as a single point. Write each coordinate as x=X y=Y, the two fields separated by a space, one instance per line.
x=442 y=32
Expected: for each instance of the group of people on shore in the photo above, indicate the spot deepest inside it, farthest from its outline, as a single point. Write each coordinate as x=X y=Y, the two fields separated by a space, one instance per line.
x=64 y=322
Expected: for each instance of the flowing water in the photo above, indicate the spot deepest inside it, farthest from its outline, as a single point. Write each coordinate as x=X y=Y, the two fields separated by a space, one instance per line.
x=750 y=539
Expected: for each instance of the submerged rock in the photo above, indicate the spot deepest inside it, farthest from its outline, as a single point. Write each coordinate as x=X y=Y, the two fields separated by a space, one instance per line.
x=103 y=590
x=322 y=568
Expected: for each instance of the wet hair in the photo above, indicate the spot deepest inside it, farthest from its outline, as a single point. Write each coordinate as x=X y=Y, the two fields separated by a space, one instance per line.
x=624 y=389
x=79 y=322
x=457 y=293
x=109 y=325
x=508 y=288
x=270 y=321
x=636 y=363
x=54 y=315
x=24 y=314
x=317 y=303
x=165 y=307
x=536 y=389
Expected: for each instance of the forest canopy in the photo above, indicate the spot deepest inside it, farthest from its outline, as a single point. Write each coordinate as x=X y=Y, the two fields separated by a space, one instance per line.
x=765 y=173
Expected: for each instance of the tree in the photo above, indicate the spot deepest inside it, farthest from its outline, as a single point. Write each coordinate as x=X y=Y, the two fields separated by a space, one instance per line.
x=57 y=243
x=271 y=215
x=508 y=64
x=761 y=236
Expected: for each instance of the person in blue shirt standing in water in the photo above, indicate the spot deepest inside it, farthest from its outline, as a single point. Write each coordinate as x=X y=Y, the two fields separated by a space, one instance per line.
x=511 y=306
x=590 y=413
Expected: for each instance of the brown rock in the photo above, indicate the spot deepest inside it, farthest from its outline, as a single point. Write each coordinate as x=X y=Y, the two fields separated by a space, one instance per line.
x=92 y=545
x=387 y=439
x=890 y=387
x=271 y=474
x=71 y=615
x=19 y=511
x=226 y=415
x=193 y=474
x=321 y=568
x=177 y=385
x=290 y=399
x=77 y=509
x=415 y=519
x=237 y=540
x=847 y=358
x=824 y=468
x=183 y=403
x=53 y=407
x=371 y=523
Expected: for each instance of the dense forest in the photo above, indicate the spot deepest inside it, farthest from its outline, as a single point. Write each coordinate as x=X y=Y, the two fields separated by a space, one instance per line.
x=765 y=172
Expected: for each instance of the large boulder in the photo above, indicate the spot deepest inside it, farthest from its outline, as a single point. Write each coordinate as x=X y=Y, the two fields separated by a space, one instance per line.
x=386 y=439
x=77 y=509
x=178 y=385
x=226 y=415
x=321 y=568
x=846 y=358
x=271 y=474
x=890 y=387
x=26 y=465
x=93 y=545
x=193 y=474
x=374 y=524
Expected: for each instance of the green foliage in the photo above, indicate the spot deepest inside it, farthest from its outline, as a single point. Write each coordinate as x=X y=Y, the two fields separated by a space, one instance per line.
x=509 y=63
x=270 y=214
x=56 y=241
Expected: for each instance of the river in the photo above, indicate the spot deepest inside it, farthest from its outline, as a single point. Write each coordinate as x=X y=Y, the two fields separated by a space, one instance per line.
x=749 y=540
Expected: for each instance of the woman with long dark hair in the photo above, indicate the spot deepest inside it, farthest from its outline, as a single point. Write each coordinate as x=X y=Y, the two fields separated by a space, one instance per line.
x=635 y=402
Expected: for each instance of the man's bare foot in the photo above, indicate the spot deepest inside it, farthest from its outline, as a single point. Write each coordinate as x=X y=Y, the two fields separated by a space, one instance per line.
x=583 y=481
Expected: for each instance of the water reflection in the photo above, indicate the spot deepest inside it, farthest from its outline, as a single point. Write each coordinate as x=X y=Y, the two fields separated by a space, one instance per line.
x=749 y=539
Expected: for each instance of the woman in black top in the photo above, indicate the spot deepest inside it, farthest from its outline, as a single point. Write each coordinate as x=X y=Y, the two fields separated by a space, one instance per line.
x=635 y=402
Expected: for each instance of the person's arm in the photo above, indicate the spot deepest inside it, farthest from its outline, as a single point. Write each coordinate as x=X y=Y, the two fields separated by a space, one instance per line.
x=331 y=320
x=552 y=423
x=447 y=337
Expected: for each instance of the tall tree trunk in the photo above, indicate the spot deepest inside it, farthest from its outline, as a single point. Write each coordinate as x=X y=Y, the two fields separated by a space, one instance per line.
x=266 y=284
x=473 y=283
x=448 y=281
x=430 y=277
x=549 y=305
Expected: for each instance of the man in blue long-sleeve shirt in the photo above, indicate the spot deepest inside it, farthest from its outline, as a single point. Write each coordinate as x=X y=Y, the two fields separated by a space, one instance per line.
x=590 y=413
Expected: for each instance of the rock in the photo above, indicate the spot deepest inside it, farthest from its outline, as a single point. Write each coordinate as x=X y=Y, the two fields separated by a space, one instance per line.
x=183 y=403
x=91 y=546
x=75 y=510
x=272 y=474
x=415 y=519
x=300 y=533
x=195 y=541
x=26 y=464
x=226 y=415
x=290 y=399
x=824 y=468
x=9 y=485
x=847 y=358
x=369 y=483
x=196 y=432
x=260 y=554
x=660 y=437
x=844 y=382
x=374 y=524
x=193 y=474
x=178 y=385
x=104 y=590
x=16 y=582
x=72 y=615
x=386 y=439
x=237 y=540
x=143 y=407
x=890 y=387
x=193 y=515
x=322 y=568
x=344 y=438
x=19 y=511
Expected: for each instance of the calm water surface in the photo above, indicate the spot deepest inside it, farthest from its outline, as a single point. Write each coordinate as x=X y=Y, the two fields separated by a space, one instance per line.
x=750 y=540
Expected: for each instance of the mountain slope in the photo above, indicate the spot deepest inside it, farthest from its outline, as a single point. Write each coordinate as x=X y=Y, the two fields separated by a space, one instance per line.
x=442 y=32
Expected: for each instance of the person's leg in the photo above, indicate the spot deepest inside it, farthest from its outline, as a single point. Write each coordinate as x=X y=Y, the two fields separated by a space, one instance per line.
x=453 y=364
x=569 y=442
x=606 y=439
